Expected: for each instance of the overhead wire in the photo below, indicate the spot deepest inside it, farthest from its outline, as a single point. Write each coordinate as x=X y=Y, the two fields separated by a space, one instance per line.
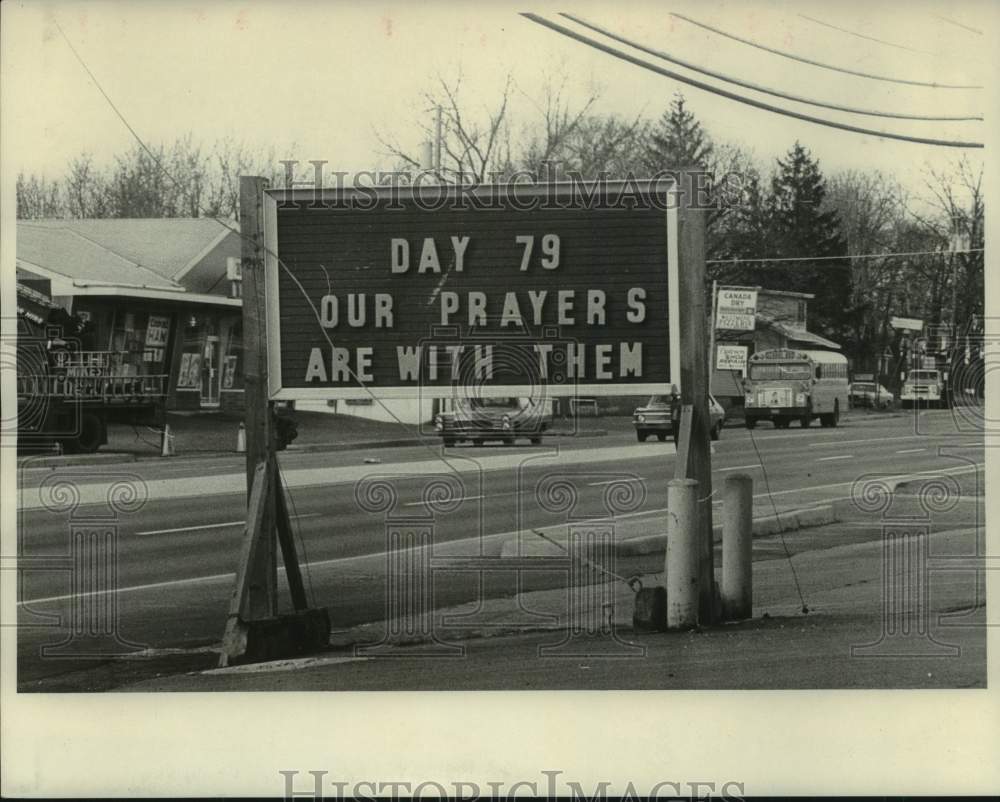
x=538 y=20
x=821 y=64
x=870 y=38
x=831 y=258
x=757 y=87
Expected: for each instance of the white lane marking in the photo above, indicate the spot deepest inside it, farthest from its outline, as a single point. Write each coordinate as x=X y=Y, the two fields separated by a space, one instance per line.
x=616 y=481
x=911 y=450
x=372 y=555
x=740 y=467
x=221 y=525
x=839 y=456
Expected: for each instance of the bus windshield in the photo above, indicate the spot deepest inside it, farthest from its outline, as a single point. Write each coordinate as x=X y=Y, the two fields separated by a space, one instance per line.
x=778 y=371
x=923 y=375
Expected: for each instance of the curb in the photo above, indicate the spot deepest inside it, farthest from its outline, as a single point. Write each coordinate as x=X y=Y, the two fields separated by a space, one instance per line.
x=55 y=461
x=762 y=527
x=29 y=462
x=649 y=544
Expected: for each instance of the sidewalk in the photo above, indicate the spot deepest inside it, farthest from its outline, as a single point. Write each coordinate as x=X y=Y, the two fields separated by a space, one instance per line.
x=495 y=644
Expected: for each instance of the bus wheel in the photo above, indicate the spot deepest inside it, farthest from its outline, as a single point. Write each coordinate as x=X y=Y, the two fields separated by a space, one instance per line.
x=805 y=420
x=750 y=423
x=830 y=421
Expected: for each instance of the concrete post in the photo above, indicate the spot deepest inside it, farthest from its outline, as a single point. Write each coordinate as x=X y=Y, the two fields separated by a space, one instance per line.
x=737 y=542
x=682 y=561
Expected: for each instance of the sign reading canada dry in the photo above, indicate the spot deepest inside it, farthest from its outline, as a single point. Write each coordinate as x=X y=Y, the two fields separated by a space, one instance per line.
x=500 y=291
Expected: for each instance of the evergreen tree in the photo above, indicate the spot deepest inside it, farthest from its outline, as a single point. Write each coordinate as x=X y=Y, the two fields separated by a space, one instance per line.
x=678 y=140
x=801 y=226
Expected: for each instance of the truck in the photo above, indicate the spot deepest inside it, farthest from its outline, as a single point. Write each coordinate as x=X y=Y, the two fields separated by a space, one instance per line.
x=68 y=396
x=925 y=387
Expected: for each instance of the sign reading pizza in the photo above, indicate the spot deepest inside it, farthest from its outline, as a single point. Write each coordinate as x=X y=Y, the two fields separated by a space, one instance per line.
x=500 y=291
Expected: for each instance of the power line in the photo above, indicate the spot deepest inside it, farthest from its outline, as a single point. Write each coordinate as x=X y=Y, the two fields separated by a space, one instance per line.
x=794 y=57
x=758 y=87
x=847 y=256
x=968 y=28
x=870 y=38
x=739 y=98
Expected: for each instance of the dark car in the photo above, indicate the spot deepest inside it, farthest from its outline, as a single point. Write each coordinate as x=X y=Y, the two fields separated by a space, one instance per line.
x=505 y=419
x=870 y=394
x=662 y=413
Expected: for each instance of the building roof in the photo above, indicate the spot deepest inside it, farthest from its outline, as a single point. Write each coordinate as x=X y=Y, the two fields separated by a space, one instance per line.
x=64 y=252
x=168 y=247
x=796 y=334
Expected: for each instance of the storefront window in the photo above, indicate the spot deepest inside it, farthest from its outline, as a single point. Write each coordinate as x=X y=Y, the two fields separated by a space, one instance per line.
x=232 y=362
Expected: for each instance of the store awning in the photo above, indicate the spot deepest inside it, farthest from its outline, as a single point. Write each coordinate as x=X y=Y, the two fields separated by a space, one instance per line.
x=796 y=335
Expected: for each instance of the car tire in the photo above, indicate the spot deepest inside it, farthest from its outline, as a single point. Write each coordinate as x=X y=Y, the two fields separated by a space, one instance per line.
x=661 y=436
x=805 y=421
x=716 y=431
x=750 y=423
x=641 y=436
x=508 y=441
x=477 y=441
x=449 y=442
x=536 y=441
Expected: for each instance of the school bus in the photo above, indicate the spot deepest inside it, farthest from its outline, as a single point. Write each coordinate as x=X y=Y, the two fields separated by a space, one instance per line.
x=785 y=385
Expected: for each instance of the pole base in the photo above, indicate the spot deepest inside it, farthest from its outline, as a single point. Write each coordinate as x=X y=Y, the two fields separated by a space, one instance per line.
x=649 y=613
x=290 y=635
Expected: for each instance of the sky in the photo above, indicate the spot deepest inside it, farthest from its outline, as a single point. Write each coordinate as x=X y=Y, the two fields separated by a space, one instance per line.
x=318 y=80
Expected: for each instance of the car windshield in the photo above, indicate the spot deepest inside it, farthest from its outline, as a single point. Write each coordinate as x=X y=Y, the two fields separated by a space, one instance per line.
x=775 y=371
x=923 y=375
x=497 y=403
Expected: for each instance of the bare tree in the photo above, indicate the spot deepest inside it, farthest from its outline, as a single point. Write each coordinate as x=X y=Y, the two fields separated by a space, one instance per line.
x=472 y=141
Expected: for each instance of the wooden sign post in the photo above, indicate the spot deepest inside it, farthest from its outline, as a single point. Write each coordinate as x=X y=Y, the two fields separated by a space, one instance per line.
x=254 y=629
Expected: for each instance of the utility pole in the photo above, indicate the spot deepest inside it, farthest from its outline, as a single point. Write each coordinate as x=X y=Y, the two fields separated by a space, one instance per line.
x=711 y=333
x=437 y=141
x=254 y=630
x=263 y=587
x=694 y=458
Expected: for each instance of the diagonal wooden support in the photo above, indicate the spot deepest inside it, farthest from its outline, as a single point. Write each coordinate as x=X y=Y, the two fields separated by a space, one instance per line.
x=289 y=556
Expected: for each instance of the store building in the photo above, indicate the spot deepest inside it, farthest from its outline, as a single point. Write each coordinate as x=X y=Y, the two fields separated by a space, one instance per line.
x=781 y=322
x=163 y=295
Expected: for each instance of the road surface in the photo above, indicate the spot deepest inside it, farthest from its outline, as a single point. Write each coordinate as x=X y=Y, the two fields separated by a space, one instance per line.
x=176 y=551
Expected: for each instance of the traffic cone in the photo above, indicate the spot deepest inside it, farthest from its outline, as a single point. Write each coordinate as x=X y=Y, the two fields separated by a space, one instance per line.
x=166 y=442
x=241 y=439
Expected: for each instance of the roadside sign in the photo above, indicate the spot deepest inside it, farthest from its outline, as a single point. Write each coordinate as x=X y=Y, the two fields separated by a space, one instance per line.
x=736 y=309
x=731 y=357
x=906 y=323
x=398 y=292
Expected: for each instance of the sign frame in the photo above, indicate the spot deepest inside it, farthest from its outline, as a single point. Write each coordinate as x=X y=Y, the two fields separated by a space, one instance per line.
x=665 y=186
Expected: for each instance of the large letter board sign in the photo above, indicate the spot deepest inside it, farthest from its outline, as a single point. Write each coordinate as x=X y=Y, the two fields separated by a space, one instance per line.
x=500 y=291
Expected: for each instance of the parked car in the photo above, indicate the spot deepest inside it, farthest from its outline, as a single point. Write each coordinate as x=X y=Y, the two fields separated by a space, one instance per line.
x=870 y=394
x=655 y=418
x=505 y=419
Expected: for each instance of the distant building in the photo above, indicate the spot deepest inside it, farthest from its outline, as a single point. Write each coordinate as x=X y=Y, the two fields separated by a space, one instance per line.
x=161 y=293
x=781 y=323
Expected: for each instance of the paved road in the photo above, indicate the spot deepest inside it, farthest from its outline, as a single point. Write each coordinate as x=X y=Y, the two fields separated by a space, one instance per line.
x=176 y=553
